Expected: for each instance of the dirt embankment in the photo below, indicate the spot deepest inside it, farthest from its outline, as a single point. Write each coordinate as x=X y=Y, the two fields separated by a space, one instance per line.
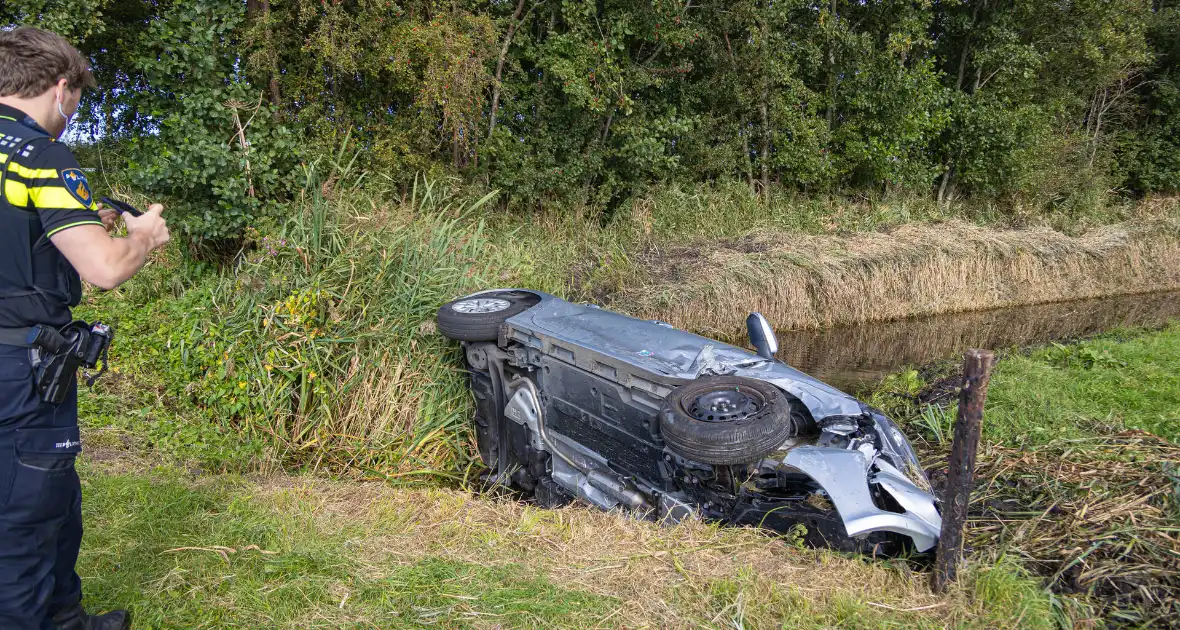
x=804 y=281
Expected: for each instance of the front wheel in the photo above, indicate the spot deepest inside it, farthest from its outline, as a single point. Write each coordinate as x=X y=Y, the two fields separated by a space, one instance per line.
x=726 y=420
x=478 y=317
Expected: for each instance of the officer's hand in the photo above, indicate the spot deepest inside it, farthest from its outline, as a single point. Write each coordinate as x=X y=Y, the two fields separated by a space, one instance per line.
x=108 y=217
x=151 y=225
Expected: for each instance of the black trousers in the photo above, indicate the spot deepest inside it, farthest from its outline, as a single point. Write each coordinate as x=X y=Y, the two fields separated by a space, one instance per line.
x=40 y=499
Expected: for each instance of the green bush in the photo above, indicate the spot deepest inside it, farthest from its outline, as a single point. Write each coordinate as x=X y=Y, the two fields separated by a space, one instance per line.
x=208 y=142
x=319 y=342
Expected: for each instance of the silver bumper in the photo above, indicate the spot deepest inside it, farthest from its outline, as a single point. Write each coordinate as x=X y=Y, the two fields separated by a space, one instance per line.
x=846 y=474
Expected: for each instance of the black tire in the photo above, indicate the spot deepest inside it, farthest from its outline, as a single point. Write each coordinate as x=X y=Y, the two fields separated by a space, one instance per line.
x=476 y=323
x=726 y=420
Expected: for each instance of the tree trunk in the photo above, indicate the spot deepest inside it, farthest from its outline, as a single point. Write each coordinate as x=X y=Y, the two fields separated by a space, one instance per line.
x=455 y=148
x=744 y=130
x=945 y=189
x=745 y=134
x=763 y=103
x=590 y=146
x=512 y=26
x=962 y=64
x=831 y=113
x=1099 y=109
x=966 y=48
x=946 y=179
x=256 y=10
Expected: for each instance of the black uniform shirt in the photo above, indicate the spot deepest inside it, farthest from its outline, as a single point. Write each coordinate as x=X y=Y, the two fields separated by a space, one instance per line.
x=44 y=192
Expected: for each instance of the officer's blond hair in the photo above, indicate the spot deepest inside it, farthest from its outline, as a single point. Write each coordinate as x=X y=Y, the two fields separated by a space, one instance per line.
x=33 y=60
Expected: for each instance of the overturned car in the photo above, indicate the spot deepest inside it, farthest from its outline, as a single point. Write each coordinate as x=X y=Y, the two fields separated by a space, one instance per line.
x=577 y=402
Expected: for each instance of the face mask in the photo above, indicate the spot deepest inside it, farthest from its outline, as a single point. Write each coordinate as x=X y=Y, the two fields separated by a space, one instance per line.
x=63 y=115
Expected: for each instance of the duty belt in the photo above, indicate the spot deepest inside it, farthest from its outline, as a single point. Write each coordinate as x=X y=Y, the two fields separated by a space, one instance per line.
x=20 y=337
x=57 y=354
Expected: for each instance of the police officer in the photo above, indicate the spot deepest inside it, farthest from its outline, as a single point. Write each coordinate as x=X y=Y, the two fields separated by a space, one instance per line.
x=51 y=232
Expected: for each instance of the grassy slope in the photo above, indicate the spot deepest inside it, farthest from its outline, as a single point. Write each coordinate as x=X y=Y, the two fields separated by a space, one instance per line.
x=226 y=552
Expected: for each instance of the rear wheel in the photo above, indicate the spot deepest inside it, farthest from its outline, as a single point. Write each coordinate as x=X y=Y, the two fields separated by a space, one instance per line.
x=726 y=420
x=478 y=317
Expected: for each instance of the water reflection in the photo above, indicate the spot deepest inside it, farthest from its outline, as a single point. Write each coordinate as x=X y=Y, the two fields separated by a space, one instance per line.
x=848 y=356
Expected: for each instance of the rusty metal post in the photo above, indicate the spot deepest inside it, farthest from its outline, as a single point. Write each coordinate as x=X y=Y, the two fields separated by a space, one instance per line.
x=977 y=365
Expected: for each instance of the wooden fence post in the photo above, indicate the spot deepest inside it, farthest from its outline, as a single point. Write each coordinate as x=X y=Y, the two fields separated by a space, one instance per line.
x=977 y=365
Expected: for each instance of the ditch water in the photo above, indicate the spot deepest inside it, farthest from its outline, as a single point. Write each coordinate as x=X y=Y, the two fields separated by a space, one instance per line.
x=851 y=356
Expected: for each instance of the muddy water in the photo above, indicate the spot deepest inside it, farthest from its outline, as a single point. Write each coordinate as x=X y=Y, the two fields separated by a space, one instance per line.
x=853 y=356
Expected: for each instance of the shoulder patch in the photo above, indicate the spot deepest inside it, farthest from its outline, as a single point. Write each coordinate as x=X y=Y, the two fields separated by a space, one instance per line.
x=75 y=182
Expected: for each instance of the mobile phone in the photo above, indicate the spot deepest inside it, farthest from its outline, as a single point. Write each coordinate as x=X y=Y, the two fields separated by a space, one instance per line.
x=122 y=206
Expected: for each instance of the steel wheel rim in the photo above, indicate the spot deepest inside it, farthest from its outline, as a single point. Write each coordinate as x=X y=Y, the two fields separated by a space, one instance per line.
x=481 y=306
x=725 y=405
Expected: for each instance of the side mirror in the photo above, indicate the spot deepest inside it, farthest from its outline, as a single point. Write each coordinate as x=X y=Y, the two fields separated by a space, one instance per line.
x=762 y=336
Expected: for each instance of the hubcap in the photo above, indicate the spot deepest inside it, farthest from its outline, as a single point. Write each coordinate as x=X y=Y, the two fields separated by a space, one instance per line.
x=724 y=406
x=481 y=305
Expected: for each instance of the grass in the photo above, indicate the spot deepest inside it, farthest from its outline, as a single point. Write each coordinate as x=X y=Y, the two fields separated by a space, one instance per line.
x=315 y=351
x=675 y=212
x=1096 y=387
x=287 y=552
x=209 y=555
x=1077 y=476
x=1087 y=510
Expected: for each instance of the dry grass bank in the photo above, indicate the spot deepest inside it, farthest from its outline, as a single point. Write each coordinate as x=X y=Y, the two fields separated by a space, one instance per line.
x=807 y=281
x=689 y=576
x=336 y=554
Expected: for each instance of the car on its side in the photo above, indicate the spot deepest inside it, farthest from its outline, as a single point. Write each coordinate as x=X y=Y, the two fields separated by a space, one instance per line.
x=575 y=402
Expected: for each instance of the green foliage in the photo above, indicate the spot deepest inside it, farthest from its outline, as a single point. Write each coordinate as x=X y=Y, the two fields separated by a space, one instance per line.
x=1158 y=163
x=316 y=347
x=1154 y=157
x=72 y=19
x=212 y=146
x=143 y=399
x=1084 y=357
x=575 y=101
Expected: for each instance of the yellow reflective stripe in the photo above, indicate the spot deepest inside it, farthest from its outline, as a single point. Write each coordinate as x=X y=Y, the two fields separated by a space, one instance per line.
x=3 y=158
x=32 y=173
x=16 y=193
x=74 y=224
x=55 y=197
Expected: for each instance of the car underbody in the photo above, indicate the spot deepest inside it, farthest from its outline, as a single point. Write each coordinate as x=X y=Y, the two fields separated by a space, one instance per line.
x=574 y=402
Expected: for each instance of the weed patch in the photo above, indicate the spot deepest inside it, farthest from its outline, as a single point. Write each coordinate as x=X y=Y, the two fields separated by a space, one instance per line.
x=1069 y=482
